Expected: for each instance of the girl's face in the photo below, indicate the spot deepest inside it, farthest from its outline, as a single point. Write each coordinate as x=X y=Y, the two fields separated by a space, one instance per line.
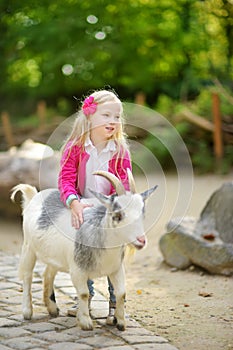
x=106 y=120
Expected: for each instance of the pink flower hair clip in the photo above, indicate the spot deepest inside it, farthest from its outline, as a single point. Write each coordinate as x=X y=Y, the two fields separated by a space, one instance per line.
x=89 y=106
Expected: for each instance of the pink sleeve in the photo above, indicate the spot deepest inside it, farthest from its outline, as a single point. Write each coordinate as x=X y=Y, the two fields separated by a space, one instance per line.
x=119 y=166
x=67 y=180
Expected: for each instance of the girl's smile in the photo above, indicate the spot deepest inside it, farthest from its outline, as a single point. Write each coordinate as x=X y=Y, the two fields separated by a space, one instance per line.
x=110 y=128
x=106 y=120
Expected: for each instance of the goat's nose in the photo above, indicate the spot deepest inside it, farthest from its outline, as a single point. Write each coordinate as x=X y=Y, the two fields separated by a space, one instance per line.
x=142 y=240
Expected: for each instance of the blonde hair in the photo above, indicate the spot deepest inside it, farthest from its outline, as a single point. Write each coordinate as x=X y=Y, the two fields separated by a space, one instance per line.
x=81 y=127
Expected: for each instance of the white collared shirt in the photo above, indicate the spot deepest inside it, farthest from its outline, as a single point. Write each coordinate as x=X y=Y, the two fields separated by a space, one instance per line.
x=97 y=162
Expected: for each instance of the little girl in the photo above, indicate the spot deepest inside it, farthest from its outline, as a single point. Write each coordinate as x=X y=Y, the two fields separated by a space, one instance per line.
x=96 y=142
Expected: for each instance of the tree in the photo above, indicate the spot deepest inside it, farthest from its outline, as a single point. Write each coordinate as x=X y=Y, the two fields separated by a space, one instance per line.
x=52 y=49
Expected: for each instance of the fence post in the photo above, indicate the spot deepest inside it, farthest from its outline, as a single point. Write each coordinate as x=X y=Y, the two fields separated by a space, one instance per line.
x=41 y=113
x=217 y=135
x=7 y=129
x=140 y=98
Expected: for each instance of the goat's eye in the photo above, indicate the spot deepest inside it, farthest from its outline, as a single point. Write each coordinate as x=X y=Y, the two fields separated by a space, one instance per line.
x=118 y=216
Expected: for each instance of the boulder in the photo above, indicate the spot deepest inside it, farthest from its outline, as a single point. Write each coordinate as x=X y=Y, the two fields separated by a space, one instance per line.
x=33 y=163
x=206 y=242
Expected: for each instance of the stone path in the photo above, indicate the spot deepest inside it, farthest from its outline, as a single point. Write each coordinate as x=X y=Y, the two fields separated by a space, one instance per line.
x=61 y=333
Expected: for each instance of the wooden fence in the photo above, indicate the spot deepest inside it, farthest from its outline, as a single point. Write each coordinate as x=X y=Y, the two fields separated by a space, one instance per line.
x=14 y=136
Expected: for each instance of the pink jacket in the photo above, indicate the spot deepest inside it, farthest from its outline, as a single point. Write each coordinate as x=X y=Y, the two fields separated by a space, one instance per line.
x=73 y=171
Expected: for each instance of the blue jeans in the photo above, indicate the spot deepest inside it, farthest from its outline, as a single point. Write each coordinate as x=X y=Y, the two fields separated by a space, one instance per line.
x=112 y=297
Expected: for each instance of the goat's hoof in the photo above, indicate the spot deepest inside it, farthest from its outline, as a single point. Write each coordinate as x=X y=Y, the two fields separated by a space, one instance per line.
x=27 y=315
x=86 y=324
x=111 y=320
x=54 y=313
x=120 y=327
x=87 y=328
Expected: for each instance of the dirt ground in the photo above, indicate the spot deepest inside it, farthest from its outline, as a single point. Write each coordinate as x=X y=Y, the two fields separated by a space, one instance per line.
x=191 y=308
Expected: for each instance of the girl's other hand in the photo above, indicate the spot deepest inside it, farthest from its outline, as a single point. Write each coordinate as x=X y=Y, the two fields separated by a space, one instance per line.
x=77 y=213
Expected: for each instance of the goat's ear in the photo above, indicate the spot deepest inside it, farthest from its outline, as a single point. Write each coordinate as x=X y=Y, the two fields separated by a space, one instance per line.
x=105 y=200
x=147 y=193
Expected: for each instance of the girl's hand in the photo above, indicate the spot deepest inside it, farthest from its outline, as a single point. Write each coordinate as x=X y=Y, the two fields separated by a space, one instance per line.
x=77 y=212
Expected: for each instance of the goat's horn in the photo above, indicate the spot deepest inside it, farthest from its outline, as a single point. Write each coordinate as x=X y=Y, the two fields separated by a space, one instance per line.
x=132 y=185
x=114 y=181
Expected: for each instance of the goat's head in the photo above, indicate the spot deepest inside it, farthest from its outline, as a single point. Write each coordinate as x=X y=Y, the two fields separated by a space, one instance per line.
x=125 y=210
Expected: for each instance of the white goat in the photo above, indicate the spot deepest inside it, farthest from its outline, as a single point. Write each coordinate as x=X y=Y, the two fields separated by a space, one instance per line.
x=94 y=250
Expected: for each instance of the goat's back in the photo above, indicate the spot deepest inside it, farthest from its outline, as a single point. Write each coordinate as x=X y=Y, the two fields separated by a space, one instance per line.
x=47 y=229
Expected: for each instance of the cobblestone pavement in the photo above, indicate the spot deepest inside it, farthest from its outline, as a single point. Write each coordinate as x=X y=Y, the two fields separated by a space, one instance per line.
x=61 y=333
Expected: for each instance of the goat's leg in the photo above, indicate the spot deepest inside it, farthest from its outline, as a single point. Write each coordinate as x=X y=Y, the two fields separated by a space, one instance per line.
x=118 y=281
x=26 y=266
x=80 y=283
x=49 y=296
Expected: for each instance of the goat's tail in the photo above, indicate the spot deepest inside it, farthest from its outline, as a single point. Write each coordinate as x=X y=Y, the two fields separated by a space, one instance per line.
x=28 y=192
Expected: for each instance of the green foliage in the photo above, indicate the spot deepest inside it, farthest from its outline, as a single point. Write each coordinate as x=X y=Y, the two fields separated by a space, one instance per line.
x=227 y=161
x=165 y=106
x=162 y=145
x=202 y=157
x=203 y=103
x=53 y=49
x=198 y=141
x=31 y=121
x=169 y=50
x=204 y=161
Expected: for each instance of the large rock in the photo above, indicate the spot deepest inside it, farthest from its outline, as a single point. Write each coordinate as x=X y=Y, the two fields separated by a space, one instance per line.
x=33 y=163
x=206 y=242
